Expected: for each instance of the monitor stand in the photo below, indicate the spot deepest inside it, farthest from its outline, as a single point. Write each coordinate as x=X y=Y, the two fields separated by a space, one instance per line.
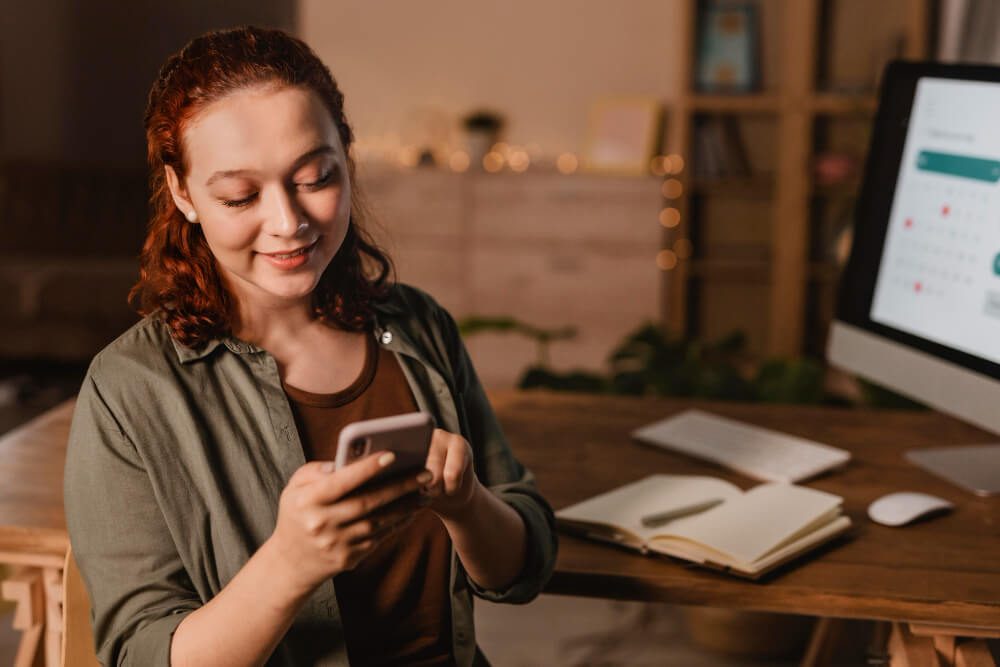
x=975 y=468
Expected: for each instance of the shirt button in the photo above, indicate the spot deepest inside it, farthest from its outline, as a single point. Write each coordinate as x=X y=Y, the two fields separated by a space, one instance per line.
x=386 y=337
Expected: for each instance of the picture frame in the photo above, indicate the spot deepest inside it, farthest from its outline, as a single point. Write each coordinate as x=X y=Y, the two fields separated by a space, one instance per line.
x=622 y=135
x=728 y=42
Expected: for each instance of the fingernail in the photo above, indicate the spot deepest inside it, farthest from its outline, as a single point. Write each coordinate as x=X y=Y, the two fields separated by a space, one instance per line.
x=386 y=459
x=425 y=477
x=328 y=466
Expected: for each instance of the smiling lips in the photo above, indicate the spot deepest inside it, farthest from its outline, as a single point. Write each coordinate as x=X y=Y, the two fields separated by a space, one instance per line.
x=289 y=260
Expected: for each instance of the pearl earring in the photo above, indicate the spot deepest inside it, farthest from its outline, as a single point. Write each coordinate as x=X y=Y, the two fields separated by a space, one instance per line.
x=192 y=216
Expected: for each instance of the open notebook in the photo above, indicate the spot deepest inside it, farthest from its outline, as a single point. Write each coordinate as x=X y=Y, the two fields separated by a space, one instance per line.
x=747 y=534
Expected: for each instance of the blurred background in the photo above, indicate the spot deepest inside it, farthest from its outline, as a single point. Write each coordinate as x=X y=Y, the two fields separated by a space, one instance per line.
x=647 y=196
x=565 y=182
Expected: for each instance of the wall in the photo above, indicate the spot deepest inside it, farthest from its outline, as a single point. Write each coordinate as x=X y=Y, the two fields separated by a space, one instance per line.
x=74 y=79
x=74 y=76
x=540 y=62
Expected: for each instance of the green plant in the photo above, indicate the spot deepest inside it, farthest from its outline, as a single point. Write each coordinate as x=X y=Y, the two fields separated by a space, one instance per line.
x=649 y=362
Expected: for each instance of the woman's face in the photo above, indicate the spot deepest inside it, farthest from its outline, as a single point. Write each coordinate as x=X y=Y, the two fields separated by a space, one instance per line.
x=267 y=178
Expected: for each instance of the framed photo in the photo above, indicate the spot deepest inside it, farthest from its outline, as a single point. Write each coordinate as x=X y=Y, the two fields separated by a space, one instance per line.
x=622 y=135
x=728 y=42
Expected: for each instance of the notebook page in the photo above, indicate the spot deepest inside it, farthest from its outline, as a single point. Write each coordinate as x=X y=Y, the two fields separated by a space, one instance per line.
x=625 y=506
x=761 y=520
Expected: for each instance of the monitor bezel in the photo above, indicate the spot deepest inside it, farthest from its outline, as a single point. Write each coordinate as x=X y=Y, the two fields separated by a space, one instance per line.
x=881 y=171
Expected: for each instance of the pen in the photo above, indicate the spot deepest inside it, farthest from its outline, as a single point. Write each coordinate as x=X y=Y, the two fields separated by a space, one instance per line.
x=652 y=520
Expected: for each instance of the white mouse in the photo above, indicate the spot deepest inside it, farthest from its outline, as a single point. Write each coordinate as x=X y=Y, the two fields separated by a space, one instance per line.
x=897 y=509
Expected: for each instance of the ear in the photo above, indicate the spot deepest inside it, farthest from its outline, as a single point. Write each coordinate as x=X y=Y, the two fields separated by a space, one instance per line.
x=181 y=199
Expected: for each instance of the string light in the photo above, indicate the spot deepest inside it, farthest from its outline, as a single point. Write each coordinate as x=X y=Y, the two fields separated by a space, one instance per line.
x=493 y=162
x=567 y=163
x=519 y=160
x=676 y=163
x=672 y=188
x=666 y=260
x=660 y=165
x=670 y=217
x=459 y=161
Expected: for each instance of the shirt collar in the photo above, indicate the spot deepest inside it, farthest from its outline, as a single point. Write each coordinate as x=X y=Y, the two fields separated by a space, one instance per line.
x=188 y=354
x=386 y=333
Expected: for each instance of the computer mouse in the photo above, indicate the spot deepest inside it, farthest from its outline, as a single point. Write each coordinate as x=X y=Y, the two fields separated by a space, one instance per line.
x=898 y=509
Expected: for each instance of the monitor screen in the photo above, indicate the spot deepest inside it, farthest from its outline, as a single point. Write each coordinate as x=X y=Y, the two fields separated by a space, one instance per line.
x=919 y=302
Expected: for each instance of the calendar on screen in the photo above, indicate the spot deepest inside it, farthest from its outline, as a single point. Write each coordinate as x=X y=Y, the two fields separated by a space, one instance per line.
x=939 y=277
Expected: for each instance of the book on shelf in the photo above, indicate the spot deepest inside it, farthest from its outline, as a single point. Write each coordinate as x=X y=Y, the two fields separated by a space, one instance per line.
x=710 y=522
x=720 y=150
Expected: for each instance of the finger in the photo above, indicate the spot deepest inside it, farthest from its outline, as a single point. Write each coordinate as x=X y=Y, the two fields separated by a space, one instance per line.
x=376 y=528
x=455 y=466
x=337 y=484
x=311 y=472
x=369 y=501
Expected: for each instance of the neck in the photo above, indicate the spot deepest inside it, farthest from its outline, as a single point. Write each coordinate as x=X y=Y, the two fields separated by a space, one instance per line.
x=266 y=325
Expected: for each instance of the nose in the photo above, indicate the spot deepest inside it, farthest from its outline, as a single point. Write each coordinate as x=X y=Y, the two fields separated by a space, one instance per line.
x=285 y=217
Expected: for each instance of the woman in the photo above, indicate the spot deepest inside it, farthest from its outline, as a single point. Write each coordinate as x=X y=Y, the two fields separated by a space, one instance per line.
x=204 y=515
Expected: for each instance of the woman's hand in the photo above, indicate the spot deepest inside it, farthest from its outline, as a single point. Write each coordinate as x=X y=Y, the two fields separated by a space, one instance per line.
x=324 y=529
x=453 y=481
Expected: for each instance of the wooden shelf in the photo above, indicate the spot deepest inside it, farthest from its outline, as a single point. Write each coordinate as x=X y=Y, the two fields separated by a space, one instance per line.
x=744 y=188
x=730 y=269
x=841 y=104
x=777 y=211
x=820 y=272
x=826 y=273
x=750 y=103
x=836 y=190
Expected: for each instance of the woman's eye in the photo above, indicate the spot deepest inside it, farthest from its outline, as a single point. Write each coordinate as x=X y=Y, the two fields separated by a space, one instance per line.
x=237 y=203
x=319 y=182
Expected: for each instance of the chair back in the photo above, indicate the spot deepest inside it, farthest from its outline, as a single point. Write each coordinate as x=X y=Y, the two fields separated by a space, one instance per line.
x=77 y=639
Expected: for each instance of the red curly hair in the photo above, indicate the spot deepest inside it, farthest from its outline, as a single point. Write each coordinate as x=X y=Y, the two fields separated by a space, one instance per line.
x=178 y=276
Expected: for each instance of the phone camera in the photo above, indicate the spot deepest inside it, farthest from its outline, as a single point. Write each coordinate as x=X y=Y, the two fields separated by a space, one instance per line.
x=357 y=448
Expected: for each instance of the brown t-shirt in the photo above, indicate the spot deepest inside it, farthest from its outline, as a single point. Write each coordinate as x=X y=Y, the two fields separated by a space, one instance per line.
x=394 y=604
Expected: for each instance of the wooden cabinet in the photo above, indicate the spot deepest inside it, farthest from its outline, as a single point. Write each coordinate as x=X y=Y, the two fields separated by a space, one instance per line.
x=550 y=249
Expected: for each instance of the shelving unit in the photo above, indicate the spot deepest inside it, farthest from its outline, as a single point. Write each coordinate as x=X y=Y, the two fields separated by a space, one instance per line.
x=798 y=286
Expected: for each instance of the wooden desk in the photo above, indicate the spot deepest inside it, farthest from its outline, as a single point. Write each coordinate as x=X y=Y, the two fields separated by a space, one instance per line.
x=33 y=535
x=941 y=577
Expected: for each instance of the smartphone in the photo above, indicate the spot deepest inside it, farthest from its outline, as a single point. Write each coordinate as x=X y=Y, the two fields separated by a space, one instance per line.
x=408 y=436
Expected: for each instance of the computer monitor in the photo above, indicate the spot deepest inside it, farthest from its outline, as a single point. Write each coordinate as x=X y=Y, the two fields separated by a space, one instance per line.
x=919 y=303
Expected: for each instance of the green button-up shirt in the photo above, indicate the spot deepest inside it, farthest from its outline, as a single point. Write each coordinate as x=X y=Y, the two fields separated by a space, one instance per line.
x=177 y=458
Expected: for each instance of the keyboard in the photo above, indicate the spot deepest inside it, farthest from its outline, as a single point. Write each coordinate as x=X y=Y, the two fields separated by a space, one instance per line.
x=760 y=453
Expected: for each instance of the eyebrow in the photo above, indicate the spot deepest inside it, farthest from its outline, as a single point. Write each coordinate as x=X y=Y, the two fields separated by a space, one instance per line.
x=322 y=149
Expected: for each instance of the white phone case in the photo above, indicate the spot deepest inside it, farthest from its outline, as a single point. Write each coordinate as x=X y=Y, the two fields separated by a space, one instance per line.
x=408 y=436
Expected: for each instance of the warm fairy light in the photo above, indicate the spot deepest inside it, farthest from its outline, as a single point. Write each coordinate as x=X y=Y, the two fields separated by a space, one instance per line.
x=676 y=163
x=459 y=161
x=660 y=165
x=670 y=217
x=672 y=188
x=666 y=259
x=519 y=160
x=567 y=163
x=683 y=248
x=493 y=162
x=501 y=147
x=409 y=156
